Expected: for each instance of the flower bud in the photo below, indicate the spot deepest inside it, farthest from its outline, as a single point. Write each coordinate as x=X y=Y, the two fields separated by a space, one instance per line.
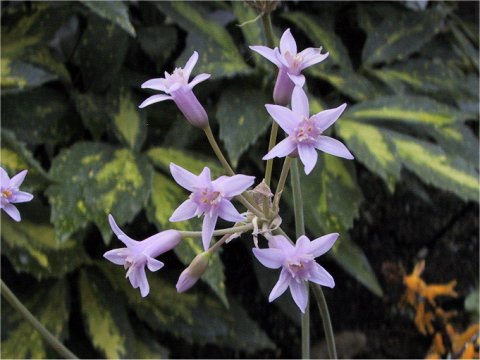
x=193 y=272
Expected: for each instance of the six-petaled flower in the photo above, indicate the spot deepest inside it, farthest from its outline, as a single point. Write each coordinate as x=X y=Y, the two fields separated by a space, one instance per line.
x=298 y=265
x=10 y=193
x=180 y=91
x=290 y=65
x=209 y=198
x=139 y=254
x=305 y=132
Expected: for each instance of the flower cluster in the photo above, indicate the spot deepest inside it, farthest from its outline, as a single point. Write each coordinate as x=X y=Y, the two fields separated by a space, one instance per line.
x=212 y=199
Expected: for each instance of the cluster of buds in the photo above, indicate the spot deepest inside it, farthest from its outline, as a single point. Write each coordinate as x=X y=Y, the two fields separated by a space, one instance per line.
x=212 y=198
x=431 y=319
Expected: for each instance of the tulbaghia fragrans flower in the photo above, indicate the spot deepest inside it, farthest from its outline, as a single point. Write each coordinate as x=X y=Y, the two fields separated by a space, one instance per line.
x=209 y=198
x=193 y=272
x=305 y=131
x=139 y=254
x=290 y=65
x=10 y=193
x=298 y=265
x=178 y=88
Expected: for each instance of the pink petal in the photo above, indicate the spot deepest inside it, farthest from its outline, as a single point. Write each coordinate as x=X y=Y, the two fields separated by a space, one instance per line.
x=204 y=179
x=228 y=212
x=280 y=286
x=231 y=186
x=208 y=227
x=302 y=246
x=271 y=258
x=308 y=156
x=280 y=242
x=282 y=149
x=4 y=179
x=21 y=196
x=333 y=147
x=312 y=57
x=17 y=180
x=326 y=118
x=13 y=212
x=186 y=210
x=321 y=276
x=120 y=234
x=160 y=243
x=156 y=84
x=142 y=281
x=267 y=53
x=298 y=80
x=198 y=79
x=300 y=102
x=154 y=264
x=117 y=256
x=154 y=99
x=283 y=116
x=299 y=293
x=322 y=244
x=187 y=70
x=287 y=43
x=183 y=177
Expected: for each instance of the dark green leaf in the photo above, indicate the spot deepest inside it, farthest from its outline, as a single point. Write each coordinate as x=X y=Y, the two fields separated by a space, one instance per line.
x=94 y=180
x=18 y=76
x=105 y=317
x=242 y=118
x=93 y=111
x=166 y=197
x=146 y=347
x=322 y=35
x=218 y=54
x=457 y=140
x=195 y=317
x=50 y=305
x=158 y=41
x=32 y=248
x=397 y=38
x=115 y=11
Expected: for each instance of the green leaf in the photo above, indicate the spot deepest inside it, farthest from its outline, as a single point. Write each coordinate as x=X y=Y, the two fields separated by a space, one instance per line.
x=431 y=164
x=94 y=180
x=457 y=140
x=18 y=76
x=39 y=116
x=93 y=111
x=407 y=109
x=218 y=54
x=398 y=37
x=372 y=147
x=32 y=248
x=471 y=304
x=128 y=121
x=146 y=347
x=162 y=157
x=100 y=61
x=50 y=305
x=353 y=260
x=105 y=317
x=166 y=197
x=114 y=11
x=195 y=317
x=242 y=118
x=347 y=82
x=158 y=41
x=322 y=35
x=370 y=15
x=15 y=157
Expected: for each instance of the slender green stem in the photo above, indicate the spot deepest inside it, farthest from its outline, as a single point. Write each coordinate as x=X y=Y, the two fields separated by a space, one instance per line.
x=283 y=178
x=233 y=230
x=218 y=151
x=47 y=335
x=249 y=206
x=327 y=324
x=268 y=28
x=219 y=243
x=300 y=230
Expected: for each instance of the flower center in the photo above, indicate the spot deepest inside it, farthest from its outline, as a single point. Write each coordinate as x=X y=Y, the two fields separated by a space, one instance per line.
x=300 y=267
x=6 y=193
x=294 y=62
x=206 y=199
x=176 y=77
x=306 y=132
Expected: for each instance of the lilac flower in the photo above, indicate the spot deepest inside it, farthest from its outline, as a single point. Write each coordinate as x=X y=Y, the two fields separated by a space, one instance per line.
x=305 y=131
x=211 y=198
x=298 y=265
x=193 y=272
x=180 y=91
x=10 y=193
x=137 y=254
x=290 y=65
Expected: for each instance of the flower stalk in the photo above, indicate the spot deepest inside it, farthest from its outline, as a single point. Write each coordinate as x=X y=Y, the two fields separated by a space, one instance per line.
x=47 y=335
x=229 y=231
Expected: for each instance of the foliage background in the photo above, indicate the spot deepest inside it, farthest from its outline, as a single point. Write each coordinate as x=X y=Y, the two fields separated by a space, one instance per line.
x=70 y=82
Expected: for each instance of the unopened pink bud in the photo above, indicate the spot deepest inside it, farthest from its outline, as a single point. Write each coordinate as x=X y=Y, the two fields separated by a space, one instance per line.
x=282 y=92
x=193 y=272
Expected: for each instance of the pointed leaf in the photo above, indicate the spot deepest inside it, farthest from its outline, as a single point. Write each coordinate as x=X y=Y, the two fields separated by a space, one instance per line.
x=115 y=11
